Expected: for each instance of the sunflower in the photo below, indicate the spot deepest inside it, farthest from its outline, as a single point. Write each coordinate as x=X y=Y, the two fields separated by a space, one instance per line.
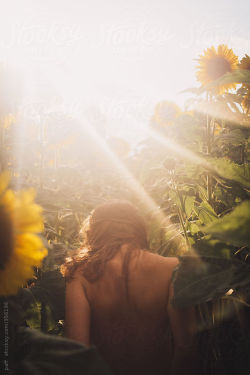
x=165 y=113
x=21 y=248
x=213 y=64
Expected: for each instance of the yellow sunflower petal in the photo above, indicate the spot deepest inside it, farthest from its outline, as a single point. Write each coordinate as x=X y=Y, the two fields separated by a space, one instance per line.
x=17 y=272
x=8 y=199
x=30 y=244
x=27 y=213
x=29 y=252
x=28 y=249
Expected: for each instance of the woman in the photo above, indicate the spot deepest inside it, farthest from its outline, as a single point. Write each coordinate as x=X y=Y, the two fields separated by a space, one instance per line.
x=118 y=297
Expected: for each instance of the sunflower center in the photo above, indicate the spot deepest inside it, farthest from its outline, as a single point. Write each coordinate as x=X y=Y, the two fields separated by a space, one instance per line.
x=217 y=67
x=6 y=237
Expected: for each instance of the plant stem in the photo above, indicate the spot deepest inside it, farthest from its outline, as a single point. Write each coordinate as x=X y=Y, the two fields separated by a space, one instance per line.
x=180 y=211
x=208 y=136
x=41 y=136
x=183 y=227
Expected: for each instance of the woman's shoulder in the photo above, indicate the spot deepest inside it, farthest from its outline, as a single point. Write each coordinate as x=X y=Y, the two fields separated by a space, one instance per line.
x=78 y=275
x=154 y=263
x=155 y=258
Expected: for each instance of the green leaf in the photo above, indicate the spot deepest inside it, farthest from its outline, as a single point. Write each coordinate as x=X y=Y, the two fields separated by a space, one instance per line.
x=213 y=247
x=33 y=315
x=238 y=76
x=193 y=90
x=234 y=227
x=236 y=137
x=50 y=354
x=202 y=192
x=189 y=204
x=194 y=228
x=201 y=279
x=232 y=171
x=206 y=213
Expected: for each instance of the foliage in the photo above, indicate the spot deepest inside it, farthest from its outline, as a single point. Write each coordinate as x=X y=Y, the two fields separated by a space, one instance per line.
x=201 y=279
x=58 y=355
x=233 y=228
x=194 y=166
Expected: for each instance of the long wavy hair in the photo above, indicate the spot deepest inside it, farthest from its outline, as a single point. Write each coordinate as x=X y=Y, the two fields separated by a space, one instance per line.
x=108 y=227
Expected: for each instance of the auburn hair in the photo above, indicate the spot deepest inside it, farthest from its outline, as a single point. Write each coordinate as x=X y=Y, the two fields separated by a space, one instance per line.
x=108 y=227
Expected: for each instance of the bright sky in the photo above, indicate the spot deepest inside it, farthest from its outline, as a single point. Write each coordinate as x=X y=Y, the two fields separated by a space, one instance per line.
x=117 y=57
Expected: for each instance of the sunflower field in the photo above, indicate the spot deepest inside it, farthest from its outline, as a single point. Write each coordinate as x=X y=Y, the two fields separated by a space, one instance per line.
x=190 y=178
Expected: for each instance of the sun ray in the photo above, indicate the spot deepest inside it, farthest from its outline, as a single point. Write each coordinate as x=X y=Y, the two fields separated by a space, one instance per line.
x=221 y=111
x=130 y=180
x=179 y=150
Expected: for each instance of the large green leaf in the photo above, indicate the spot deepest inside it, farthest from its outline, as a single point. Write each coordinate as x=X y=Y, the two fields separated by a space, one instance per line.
x=40 y=353
x=238 y=76
x=232 y=171
x=207 y=246
x=234 y=227
x=201 y=279
x=189 y=204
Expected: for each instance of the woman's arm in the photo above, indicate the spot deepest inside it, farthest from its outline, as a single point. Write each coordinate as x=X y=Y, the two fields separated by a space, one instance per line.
x=77 y=312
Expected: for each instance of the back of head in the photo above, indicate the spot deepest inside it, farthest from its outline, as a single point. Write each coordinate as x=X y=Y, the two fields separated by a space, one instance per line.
x=115 y=223
x=109 y=226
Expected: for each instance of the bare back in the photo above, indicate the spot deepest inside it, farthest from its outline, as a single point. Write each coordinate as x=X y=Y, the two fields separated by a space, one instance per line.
x=132 y=334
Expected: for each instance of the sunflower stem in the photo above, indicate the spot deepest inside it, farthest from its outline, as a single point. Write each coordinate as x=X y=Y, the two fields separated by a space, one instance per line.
x=181 y=211
x=183 y=227
x=208 y=136
x=41 y=136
